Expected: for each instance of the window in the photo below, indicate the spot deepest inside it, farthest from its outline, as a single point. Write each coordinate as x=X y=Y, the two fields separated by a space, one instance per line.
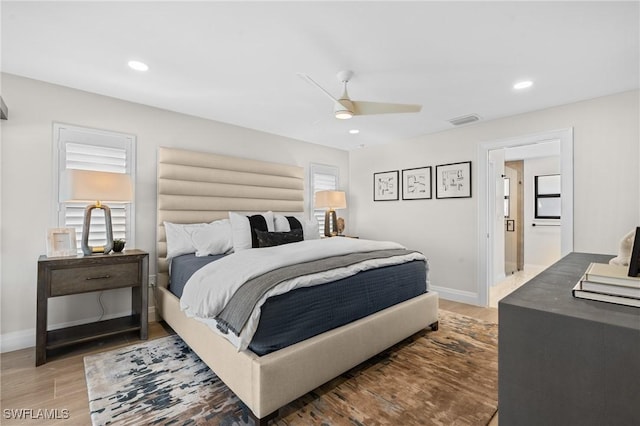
x=507 y=196
x=547 y=197
x=322 y=178
x=90 y=149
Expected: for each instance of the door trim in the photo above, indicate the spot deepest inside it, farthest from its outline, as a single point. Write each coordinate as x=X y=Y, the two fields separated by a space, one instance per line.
x=485 y=239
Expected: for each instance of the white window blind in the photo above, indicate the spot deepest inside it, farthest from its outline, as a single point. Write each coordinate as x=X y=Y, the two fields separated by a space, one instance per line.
x=322 y=178
x=89 y=149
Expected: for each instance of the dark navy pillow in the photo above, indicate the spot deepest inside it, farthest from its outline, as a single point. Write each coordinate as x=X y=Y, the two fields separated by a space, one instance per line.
x=270 y=239
x=294 y=223
x=257 y=222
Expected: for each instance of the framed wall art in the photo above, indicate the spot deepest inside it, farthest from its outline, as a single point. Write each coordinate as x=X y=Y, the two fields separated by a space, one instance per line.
x=385 y=186
x=453 y=180
x=61 y=242
x=416 y=183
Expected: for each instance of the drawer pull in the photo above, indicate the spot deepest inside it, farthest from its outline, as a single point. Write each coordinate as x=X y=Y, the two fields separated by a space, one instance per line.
x=102 y=277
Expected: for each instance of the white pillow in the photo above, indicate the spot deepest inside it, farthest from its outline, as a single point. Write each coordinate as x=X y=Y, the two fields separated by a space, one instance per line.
x=215 y=238
x=202 y=239
x=281 y=223
x=310 y=227
x=179 y=238
x=241 y=229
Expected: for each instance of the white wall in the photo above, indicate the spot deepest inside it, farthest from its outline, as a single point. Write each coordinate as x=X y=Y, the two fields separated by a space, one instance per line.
x=541 y=243
x=606 y=197
x=27 y=197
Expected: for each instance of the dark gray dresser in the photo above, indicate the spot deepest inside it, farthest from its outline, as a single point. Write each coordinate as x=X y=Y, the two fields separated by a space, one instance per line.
x=567 y=361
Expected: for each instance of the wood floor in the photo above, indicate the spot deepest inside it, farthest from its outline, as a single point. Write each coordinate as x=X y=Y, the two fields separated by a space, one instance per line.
x=60 y=385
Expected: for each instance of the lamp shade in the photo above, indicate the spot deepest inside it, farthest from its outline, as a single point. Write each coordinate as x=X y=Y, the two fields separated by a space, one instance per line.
x=90 y=186
x=331 y=200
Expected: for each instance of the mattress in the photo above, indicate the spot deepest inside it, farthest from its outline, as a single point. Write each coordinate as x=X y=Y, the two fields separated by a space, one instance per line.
x=305 y=312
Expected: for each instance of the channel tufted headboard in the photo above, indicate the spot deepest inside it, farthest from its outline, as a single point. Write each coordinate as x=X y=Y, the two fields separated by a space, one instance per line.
x=202 y=187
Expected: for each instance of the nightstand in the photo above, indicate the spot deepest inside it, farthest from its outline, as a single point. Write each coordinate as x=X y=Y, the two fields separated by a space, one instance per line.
x=61 y=276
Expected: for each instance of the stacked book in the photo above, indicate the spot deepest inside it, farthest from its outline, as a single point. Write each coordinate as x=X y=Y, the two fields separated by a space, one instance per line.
x=609 y=283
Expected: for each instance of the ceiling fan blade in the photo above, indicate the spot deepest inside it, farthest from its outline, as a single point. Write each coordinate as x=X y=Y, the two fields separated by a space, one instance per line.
x=311 y=81
x=370 y=108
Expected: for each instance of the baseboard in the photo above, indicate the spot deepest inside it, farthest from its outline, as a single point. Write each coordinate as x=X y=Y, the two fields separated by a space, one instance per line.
x=17 y=340
x=22 y=339
x=457 y=295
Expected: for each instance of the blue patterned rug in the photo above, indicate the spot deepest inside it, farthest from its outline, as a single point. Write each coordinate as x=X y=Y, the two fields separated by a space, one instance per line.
x=433 y=378
x=158 y=382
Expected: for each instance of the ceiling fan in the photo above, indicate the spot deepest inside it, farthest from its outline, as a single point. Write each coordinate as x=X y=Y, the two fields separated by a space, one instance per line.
x=344 y=108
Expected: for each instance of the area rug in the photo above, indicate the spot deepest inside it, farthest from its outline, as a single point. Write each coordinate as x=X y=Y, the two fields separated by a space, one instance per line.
x=446 y=377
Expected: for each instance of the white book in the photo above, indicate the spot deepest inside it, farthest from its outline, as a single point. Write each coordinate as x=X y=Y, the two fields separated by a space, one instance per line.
x=616 y=290
x=619 y=300
x=605 y=273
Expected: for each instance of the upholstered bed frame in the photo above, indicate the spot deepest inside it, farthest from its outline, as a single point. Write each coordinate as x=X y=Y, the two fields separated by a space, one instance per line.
x=199 y=187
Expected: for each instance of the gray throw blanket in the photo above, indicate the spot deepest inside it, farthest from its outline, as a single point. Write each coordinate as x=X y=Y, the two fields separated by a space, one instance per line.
x=235 y=315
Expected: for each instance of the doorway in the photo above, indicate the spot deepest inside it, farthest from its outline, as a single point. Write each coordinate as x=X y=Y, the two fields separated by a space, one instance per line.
x=493 y=241
x=531 y=236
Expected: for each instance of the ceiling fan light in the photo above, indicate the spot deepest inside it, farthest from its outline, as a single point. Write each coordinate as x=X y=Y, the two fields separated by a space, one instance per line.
x=344 y=114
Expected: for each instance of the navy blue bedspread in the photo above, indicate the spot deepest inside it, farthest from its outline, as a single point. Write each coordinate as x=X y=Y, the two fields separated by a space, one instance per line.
x=182 y=267
x=306 y=312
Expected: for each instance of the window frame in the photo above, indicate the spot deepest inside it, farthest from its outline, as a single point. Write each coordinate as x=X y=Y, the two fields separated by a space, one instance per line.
x=325 y=169
x=537 y=196
x=96 y=137
x=507 y=197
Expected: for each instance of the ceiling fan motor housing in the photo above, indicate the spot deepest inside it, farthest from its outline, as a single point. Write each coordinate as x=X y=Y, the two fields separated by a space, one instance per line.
x=344 y=76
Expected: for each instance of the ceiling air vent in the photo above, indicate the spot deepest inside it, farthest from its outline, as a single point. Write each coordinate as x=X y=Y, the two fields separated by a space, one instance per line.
x=465 y=119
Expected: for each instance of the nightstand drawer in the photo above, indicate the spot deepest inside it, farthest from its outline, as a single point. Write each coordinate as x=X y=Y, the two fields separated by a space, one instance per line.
x=93 y=278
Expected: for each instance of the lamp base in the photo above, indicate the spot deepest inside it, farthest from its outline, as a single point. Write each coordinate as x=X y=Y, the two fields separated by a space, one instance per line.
x=86 y=248
x=330 y=223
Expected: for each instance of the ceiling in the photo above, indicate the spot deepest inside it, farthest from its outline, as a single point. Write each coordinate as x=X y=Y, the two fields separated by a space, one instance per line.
x=237 y=62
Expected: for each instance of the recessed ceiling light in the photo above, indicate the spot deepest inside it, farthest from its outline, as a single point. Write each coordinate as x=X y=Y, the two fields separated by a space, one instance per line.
x=523 y=84
x=138 y=66
x=354 y=131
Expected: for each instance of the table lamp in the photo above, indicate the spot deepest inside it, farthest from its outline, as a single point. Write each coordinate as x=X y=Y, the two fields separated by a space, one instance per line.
x=331 y=200
x=98 y=187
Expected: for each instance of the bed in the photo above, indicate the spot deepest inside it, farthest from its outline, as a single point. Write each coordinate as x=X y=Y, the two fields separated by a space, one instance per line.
x=195 y=187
